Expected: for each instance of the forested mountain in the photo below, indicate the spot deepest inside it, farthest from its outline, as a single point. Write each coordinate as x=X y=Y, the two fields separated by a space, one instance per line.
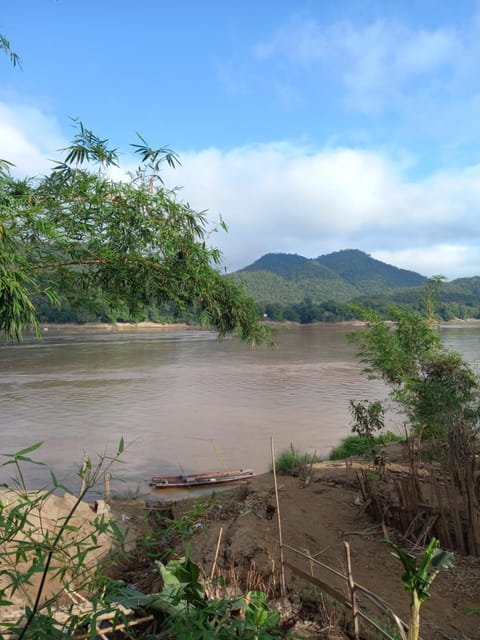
x=287 y=278
x=341 y=276
x=367 y=274
x=291 y=287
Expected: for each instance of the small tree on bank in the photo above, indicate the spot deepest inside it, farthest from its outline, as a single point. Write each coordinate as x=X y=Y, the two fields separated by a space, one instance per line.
x=435 y=388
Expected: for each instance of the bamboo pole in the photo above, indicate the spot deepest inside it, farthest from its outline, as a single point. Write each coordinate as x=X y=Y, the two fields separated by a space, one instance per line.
x=106 y=481
x=352 y=590
x=217 y=550
x=313 y=560
x=340 y=597
x=84 y=472
x=283 y=589
x=119 y=627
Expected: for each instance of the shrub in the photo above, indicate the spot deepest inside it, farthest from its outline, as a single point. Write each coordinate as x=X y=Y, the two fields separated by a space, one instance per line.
x=290 y=461
x=361 y=446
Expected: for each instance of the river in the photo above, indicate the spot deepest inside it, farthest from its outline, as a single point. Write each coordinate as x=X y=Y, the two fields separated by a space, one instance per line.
x=182 y=399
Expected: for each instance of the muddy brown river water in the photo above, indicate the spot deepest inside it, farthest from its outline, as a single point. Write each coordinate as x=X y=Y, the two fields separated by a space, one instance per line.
x=182 y=399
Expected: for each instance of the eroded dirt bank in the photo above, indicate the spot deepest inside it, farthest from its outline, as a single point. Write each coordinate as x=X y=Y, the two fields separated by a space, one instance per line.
x=317 y=518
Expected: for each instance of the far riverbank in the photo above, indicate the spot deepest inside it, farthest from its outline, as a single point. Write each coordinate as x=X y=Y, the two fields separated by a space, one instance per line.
x=107 y=327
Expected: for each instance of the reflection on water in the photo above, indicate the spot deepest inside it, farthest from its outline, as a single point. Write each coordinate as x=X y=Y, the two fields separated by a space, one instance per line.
x=180 y=397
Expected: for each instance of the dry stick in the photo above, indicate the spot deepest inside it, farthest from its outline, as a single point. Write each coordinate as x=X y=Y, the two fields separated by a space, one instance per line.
x=119 y=627
x=106 y=480
x=283 y=589
x=352 y=590
x=84 y=472
x=377 y=601
x=315 y=561
x=310 y=558
x=214 y=565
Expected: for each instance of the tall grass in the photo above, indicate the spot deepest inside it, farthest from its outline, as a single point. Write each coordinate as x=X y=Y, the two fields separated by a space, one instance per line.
x=290 y=461
x=360 y=446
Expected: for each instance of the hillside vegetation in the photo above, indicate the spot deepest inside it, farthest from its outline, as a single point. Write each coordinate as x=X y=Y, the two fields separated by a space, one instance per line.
x=292 y=287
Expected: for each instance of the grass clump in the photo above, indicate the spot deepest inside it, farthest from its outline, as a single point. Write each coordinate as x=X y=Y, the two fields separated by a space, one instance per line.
x=360 y=446
x=290 y=461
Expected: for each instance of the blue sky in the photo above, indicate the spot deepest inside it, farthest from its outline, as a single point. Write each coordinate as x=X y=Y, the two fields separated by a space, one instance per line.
x=308 y=126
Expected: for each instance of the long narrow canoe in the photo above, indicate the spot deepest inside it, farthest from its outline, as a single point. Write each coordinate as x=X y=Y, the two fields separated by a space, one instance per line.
x=201 y=479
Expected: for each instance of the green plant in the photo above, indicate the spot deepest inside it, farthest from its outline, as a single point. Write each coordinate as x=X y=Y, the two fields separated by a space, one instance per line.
x=164 y=532
x=418 y=577
x=193 y=616
x=290 y=461
x=77 y=236
x=358 y=446
x=368 y=418
x=48 y=551
x=182 y=609
x=434 y=387
x=5 y=47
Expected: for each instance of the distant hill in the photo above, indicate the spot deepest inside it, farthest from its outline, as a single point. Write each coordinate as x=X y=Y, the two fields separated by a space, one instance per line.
x=342 y=276
x=367 y=274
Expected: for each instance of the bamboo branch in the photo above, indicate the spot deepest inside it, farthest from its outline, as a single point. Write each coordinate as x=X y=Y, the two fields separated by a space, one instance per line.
x=279 y=522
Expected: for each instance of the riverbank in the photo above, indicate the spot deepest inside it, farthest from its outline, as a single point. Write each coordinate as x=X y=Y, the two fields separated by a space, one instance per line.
x=116 y=327
x=182 y=326
x=317 y=518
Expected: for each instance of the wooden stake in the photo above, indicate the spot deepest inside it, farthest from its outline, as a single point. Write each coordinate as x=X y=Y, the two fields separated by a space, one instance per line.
x=106 y=481
x=84 y=472
x=283 y=589
x=214 y=565
x=353 y=595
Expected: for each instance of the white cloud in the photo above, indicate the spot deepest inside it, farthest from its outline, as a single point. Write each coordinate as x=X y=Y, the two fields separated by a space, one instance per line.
x=434 y=260
x=28 y=138
x=377 y=64
x=281 y=197
x=284 y=197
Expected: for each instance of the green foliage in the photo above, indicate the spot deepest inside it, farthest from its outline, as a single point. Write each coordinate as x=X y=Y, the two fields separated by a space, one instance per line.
x=358 y=446
x=77 y=236
x=29 y=550
x=367 y=274
x=284 y=279
x=54 y=558
x=394 y=353
x=445 y=397
x=368 y=418
x=333 y=281
x=181 y=584
x=188 y=613
x=183 y=610
x=418 y=577
x=337 y=277
x=432 y=289
x=435 y=388
x=7 y=50
x=290 y=461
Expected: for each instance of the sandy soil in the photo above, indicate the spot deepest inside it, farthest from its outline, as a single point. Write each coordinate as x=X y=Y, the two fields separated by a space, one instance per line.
x=317 y=518
x=109 y=327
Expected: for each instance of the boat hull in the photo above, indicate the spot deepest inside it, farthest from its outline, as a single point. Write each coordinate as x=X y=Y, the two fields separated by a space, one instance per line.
x=201 y=479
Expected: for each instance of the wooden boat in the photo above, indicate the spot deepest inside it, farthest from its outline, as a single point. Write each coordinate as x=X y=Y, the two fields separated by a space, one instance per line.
x=201 y=479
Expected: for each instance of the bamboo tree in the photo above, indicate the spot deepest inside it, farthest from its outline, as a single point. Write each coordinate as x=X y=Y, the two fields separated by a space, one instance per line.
x=80 y=236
